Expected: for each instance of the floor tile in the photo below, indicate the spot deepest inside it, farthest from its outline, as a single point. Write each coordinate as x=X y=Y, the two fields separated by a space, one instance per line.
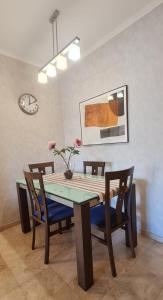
x=7 y=282
x=3 y=264
x=137 y=283
x=16 y=294
x=66 y=293
x=160 y=296
x=45 y=284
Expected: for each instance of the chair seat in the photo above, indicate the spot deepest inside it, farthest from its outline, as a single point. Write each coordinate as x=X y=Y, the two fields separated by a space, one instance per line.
x=57 y=213
x=98 y=216
x=49 y=201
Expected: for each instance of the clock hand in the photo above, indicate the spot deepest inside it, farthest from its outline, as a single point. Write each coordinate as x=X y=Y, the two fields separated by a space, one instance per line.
x=33 y=100
x=29 y=100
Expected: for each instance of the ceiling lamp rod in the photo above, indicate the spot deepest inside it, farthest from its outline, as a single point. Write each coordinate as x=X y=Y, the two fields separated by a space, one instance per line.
x=53 y=19
x=59 y=61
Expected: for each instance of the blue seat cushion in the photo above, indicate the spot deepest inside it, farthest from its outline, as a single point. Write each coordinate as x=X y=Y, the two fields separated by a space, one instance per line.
x=98 y=216
x=49 y=201
x=57 y=213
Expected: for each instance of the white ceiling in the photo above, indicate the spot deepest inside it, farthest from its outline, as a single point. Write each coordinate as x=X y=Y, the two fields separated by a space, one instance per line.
x=25 y=32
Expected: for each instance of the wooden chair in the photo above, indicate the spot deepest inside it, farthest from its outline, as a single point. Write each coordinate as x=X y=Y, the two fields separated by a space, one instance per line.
x=44 y=213
x=95 y=165
x=108 y=219
x=43 y=167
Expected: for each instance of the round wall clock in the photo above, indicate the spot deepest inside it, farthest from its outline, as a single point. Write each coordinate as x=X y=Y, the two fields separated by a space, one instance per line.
x=28 y=104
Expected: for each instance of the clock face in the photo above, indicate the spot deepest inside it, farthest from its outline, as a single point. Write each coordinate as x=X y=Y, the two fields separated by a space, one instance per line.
x=28 y=104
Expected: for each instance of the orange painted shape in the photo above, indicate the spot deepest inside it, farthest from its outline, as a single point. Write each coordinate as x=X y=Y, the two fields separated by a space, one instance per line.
x=100 y=115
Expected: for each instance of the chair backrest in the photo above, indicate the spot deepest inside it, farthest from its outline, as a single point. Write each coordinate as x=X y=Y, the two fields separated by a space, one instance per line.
x=38 y=208
x=42 y=167
x=95 y=166
x=124 y=180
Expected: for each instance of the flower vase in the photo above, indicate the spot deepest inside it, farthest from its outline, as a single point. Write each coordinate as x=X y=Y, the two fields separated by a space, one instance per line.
x=68 y=174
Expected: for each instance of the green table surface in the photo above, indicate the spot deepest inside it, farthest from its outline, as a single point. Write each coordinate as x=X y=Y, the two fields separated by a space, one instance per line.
x=72 y=194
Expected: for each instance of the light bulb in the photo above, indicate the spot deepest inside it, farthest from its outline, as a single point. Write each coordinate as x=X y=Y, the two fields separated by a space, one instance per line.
x=51 y=71
x=74 y=52
x=61 y=62
x=120 y=95
x=42 y=77
x=110 y=97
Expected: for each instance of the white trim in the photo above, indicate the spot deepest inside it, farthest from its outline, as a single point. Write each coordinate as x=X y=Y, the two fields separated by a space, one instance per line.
x=153 y=236
x=11 y=56
x=146 y=10
x=148 y=234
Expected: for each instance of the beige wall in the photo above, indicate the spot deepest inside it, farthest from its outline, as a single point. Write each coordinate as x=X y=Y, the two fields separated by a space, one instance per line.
x=23 y=138
x=135 y=58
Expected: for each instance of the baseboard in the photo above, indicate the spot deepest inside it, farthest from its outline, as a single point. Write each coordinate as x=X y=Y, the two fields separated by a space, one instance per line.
x=152 y=236
x=149 y=234
x=4 y=227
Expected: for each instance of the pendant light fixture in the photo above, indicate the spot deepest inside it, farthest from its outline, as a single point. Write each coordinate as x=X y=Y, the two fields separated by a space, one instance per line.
x=60 y=60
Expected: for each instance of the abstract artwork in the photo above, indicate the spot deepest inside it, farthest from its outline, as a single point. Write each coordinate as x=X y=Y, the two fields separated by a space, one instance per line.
x=104 y=118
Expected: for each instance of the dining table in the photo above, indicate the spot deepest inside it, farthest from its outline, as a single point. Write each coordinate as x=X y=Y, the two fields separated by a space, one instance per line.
x=78 y=192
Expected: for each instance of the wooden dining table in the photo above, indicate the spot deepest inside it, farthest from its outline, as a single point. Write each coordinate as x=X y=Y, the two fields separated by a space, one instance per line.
x=78 y=193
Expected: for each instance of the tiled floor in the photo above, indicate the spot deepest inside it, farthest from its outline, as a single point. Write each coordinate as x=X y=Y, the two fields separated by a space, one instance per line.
x=23 y=274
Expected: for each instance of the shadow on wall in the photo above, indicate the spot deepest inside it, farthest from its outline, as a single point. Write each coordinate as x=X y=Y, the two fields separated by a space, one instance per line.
x=141 y=204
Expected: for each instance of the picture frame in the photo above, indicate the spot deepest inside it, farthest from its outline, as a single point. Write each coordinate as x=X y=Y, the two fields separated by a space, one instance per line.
x=104 y=118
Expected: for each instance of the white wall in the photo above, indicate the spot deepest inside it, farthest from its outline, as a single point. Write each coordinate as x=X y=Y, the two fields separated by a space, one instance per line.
x=135 y=58
x=23 y=138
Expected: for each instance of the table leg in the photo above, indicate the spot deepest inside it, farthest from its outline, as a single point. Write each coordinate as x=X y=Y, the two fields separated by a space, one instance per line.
x=83 y=245
x=23 y=209
x=133 y=218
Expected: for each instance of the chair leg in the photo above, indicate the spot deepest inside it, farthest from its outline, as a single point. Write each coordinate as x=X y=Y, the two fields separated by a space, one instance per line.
x=33 y=233
x=131 y=239
x=68 y=222
x=60 y=227
x=111 y=256
x=105 y=237
x=46 y=259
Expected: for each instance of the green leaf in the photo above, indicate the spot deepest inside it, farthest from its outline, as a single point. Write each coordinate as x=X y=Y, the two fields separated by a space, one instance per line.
x=63 y=150
x=76 y=152
x=56 y=152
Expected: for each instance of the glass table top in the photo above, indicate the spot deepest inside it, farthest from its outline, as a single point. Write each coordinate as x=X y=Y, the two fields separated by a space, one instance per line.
x=70 y=193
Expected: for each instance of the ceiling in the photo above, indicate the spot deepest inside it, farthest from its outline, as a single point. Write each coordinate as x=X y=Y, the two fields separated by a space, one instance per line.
x=25 y=32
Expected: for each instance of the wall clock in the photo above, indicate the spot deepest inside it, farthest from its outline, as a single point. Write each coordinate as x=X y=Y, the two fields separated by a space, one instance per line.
x=28 y=104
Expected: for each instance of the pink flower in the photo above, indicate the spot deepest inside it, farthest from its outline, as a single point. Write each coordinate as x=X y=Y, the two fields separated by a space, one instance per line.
x=77 y=143
x=51 y=145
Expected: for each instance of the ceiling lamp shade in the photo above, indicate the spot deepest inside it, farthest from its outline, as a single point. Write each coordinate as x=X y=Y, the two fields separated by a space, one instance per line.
x=61 y=62
x=51 y=71
x=62 y=59
x=42 y=77
x=74 y=52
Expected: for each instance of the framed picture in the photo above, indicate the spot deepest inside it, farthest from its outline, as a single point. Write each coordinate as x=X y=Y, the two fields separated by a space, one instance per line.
x=104 y=118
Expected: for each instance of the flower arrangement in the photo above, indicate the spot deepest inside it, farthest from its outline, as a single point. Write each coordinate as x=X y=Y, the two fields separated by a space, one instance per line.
x=66 y=154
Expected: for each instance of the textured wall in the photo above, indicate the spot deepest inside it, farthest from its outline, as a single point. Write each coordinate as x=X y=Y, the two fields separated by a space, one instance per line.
x=135 y=58
x=23 y=138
